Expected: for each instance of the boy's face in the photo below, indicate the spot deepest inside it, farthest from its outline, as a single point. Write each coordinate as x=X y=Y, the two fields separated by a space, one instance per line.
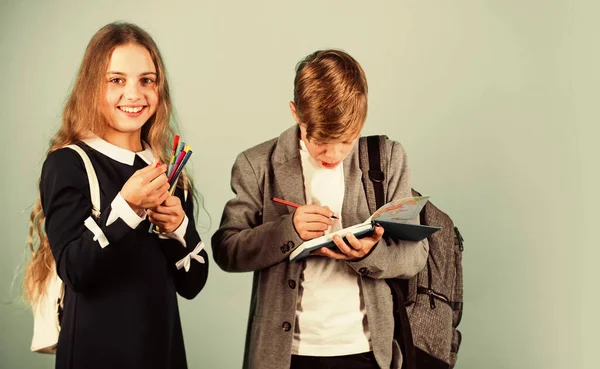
x=328 y=155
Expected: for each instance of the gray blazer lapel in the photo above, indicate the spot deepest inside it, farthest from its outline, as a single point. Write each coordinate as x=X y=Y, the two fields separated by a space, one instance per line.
x=354 y=208
x=287 y=168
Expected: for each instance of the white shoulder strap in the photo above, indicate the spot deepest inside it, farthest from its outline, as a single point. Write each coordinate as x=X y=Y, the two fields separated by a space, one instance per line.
x=92 y=179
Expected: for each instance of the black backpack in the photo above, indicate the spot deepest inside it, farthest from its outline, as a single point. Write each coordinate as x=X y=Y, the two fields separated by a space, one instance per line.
x=428 y=307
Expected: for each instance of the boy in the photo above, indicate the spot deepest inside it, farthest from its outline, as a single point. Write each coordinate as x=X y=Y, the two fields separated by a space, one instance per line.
x=333 y=309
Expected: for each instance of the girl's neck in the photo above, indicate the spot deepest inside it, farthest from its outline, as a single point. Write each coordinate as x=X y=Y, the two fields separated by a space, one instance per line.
x=128 y=141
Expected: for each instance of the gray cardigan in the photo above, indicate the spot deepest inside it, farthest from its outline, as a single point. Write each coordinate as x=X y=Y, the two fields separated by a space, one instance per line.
x=257 y=234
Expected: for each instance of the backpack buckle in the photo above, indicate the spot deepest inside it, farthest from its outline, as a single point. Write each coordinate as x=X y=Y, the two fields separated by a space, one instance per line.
x=376 y=175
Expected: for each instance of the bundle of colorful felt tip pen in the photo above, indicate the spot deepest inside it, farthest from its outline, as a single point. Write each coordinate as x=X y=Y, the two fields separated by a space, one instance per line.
x=180 y=154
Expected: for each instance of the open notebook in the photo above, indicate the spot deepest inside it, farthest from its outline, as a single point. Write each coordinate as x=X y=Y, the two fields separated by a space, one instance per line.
x=391 y=216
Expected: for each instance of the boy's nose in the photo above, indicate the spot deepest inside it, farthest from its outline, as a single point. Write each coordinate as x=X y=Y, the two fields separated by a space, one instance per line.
x=333 y=153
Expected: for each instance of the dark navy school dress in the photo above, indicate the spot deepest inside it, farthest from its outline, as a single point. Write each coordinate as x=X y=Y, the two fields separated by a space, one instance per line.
x=121 y=282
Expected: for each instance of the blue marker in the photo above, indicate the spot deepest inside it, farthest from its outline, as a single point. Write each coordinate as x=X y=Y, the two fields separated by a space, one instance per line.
x=179 y=170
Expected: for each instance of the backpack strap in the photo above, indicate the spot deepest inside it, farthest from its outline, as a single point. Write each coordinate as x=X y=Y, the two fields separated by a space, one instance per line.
x=372 y=155
x=47 y=311
x=372 y=159
x=92 y=179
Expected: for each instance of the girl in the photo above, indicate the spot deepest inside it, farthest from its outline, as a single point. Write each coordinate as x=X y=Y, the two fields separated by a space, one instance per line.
x=120 y=305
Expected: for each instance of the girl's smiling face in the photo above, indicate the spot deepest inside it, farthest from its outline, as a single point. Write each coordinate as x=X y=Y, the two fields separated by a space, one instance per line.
x=131 y=91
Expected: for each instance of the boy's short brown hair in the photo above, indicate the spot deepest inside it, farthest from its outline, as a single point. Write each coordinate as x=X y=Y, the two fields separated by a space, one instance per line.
x=330 y=94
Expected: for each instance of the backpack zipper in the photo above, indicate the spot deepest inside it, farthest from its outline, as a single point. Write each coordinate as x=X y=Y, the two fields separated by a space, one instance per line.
x=432 y=294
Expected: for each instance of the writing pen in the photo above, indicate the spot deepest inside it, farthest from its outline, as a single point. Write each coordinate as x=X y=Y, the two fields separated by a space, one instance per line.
x=289 y=203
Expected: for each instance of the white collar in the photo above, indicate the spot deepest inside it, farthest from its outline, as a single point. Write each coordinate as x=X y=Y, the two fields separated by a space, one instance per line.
x=119 y=154
x=303 y=146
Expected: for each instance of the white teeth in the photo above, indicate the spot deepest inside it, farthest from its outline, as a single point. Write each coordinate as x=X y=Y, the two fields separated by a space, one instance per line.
x=131 y=110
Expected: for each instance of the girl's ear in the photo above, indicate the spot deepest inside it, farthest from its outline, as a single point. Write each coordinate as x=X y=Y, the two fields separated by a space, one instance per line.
x=293 y=111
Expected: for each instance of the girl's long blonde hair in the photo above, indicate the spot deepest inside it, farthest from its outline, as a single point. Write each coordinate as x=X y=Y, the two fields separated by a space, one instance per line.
x=84 y=112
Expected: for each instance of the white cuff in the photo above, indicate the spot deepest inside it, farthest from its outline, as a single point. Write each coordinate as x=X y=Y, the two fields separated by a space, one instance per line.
x=186 y=261
x=178 y=234
x=121 y=209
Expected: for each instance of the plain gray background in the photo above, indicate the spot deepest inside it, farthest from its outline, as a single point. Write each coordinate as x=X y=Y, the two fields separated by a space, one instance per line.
x=494 y=101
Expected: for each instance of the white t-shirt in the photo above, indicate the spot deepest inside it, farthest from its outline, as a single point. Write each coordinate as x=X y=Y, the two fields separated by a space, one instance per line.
x=330 y=314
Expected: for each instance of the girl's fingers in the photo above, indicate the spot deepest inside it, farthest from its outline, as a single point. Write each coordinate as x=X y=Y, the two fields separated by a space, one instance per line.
x=158 y=195
x=164 y=188
x=151 y=171
x=158 y=217
x=172 y=201
x=166 y=209
x=157 y=182
x=163 y=197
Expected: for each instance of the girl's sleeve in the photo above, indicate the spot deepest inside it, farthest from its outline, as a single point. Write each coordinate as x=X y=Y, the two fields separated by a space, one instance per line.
x=185 y=252
x=82 y=246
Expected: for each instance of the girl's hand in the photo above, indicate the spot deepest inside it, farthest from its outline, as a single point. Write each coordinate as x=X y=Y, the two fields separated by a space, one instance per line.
x=168 y=216
x=311 y=221
x=146 y=188
x=354 y=249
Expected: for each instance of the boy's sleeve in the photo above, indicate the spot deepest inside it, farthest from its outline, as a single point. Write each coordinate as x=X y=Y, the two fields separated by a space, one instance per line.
x=82 y=246
x=389 y=258
x=184 y=251
x=243 y=242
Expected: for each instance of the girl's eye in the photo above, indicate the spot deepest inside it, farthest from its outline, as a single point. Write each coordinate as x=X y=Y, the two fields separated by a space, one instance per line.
x=117 y=80
x=147 y=81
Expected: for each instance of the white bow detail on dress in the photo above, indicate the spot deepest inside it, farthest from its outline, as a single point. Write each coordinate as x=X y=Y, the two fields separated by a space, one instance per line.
x=97 y=231
x=186 y=261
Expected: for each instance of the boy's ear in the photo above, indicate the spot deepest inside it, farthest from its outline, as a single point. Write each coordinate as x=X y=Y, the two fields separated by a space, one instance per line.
x=293 y=110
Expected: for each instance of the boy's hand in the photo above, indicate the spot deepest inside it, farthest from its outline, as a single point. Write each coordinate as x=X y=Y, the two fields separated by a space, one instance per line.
x=354 y=249
x=168 y=216
x=311 y=221
x=146 y=188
